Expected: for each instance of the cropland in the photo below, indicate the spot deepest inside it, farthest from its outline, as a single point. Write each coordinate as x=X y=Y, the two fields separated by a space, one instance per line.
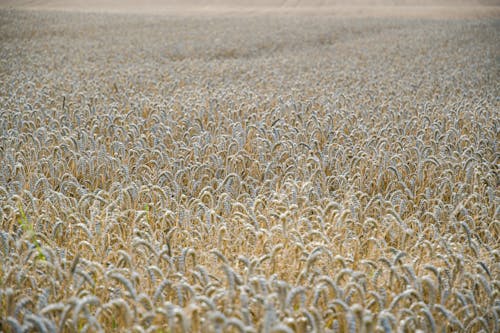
x=269 y=170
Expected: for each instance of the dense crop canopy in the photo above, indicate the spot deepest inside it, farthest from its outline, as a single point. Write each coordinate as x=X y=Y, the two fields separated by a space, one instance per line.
x=248 y=174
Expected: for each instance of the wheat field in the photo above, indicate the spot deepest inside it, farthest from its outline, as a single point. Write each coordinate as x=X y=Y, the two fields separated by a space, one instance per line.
x=248 y=173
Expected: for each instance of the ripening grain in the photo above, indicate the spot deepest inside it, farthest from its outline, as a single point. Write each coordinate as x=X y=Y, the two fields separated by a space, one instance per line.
x=248 y=174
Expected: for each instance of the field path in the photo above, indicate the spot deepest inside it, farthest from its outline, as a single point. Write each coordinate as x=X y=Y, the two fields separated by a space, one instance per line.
x=435 y=9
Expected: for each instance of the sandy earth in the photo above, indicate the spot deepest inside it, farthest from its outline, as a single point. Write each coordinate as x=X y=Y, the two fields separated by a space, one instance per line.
x=355 y=8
